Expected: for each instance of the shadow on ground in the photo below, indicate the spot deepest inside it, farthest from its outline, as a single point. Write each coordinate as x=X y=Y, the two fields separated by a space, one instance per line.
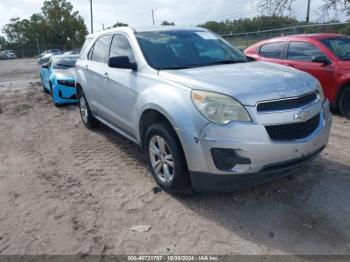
x=311 y=206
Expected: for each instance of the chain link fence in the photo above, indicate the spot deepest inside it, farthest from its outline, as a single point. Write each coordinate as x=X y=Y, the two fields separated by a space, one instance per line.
x=33 y=50
x=240 y=40
x=244 y=40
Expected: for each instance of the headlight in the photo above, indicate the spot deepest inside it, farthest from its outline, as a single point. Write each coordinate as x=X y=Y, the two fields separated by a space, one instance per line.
x=219 y=109
x=320 y=92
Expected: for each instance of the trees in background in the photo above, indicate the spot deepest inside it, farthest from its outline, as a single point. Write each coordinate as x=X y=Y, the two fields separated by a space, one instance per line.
x=250 y=24
x=2 y=42
x=64 y=25
x=119 y=24
x=285 y=7
x=57 y=26
x=167 y=23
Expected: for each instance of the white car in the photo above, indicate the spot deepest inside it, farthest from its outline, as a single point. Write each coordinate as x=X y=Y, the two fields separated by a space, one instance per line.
x=9 y=54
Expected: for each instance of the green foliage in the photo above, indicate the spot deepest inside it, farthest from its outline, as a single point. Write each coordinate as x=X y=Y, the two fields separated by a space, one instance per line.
x=64 y=25
x=167 y=23
x=3 y=42
x=250 y=24
x=58 y=26
x=119 y=24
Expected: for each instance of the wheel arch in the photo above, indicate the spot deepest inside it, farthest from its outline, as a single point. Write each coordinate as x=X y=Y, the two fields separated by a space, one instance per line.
x=78 y=88
x=149 y=117
x=344 y=86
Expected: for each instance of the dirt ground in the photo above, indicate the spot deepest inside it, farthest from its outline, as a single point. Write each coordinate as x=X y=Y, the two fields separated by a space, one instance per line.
x=67 y=190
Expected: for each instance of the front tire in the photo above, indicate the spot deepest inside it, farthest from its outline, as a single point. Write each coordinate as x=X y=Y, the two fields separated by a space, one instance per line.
x=43 y=86
x=88 y=119
x=344 y=103
x=166 y=159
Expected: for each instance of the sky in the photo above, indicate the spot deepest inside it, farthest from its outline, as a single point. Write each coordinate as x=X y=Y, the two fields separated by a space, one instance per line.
x=138 y=12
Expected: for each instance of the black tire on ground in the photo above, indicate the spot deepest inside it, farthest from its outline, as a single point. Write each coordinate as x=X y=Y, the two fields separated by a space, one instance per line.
x=180 y=181
x=344 y=103
x=42 y=85
x=86 y=116
x=51 y=94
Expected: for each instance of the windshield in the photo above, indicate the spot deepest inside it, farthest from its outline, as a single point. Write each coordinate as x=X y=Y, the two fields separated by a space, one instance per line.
x=186 y=49
x=340 y=46
x=64 y=62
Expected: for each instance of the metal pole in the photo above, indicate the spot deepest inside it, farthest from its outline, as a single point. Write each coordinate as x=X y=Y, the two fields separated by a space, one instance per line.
x=308 y=11
x=37 y=45
x=92 y=21
x=153 y=17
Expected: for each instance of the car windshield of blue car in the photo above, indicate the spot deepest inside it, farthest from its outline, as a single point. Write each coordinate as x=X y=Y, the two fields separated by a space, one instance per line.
x=180 y=49
x=340 y=46
x=64 y=63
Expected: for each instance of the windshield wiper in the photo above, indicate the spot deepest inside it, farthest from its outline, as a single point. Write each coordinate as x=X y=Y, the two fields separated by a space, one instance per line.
x=225 y=62
x=176 y=67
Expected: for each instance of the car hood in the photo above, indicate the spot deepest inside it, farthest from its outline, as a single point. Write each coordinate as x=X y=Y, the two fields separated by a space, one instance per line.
x=65 y=73
x=247 y=82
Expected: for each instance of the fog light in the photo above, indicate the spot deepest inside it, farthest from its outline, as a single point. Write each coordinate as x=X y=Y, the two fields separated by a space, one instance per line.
x=226 y=159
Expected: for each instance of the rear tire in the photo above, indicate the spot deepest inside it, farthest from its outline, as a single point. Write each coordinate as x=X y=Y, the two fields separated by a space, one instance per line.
x=344 y=103
x=166 y=159
x=87 y=118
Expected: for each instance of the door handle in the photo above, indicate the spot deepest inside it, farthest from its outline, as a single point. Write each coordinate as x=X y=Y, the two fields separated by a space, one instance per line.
x=106 y=76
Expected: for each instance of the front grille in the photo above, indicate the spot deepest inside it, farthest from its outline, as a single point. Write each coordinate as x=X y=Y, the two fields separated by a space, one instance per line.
x=66 y=83
x=286 y=104
x=293 y=131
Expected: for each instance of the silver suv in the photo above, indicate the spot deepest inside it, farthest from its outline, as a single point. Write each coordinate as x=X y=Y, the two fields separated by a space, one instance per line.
x=205 y=116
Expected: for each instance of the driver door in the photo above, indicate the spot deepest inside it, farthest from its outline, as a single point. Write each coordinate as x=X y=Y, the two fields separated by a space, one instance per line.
x=120 y=90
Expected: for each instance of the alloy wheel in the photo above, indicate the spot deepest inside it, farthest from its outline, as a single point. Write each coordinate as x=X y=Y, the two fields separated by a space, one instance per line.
x=83 y=109
x=162 y=160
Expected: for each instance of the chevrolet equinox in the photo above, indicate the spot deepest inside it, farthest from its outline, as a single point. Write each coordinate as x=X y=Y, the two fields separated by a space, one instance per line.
x=205 y=116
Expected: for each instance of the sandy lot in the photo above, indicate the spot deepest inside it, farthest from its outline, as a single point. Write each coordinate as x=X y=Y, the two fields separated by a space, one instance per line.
x=67 y=190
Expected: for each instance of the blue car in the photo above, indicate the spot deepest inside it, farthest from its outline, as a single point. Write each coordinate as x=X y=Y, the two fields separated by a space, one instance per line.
x=58 y=79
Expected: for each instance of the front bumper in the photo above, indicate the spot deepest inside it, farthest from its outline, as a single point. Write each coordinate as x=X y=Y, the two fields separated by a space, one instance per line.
x=64 y=94
x=251 y=141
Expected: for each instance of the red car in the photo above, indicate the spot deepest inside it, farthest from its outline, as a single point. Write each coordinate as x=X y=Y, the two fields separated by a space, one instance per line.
x=325 y=56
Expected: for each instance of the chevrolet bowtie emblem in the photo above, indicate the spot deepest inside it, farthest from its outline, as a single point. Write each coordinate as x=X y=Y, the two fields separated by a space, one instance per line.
x=301 y=116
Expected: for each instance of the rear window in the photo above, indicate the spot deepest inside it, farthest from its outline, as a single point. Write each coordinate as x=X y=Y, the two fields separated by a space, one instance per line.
x=272 y=50
x=340 y=46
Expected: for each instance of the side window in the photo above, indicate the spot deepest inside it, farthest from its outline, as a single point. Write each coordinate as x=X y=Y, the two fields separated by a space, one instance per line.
x=272 y=50
x=121 y=47
x=302 y=51
x=84 y=48
x=101 y=49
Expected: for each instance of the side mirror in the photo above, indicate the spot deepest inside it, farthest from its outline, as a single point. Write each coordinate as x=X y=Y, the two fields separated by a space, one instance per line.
x=321 y=59
x=45 y=65
x=122 y=62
